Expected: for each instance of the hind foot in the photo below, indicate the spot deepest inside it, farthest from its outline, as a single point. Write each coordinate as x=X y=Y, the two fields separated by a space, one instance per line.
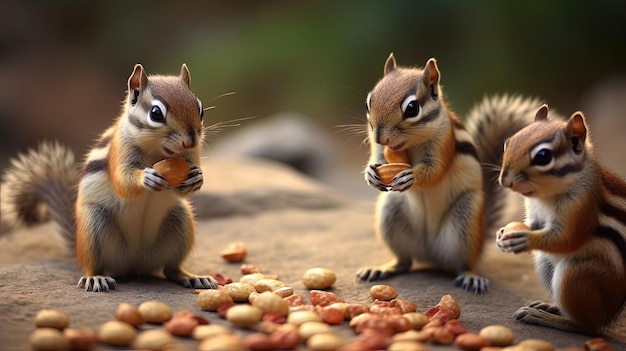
x=546 y=315
x=472 y=283
x=97 y=283
x=384 y=271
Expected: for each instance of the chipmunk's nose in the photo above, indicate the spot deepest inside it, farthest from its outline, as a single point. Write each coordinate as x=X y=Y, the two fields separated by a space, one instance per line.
x=191 y=140
x=380 y=136
x=504 y=179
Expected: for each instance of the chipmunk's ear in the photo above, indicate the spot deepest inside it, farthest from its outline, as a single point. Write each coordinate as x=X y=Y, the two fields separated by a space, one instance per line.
x=390 y=64
x=542 y=113
x=431 y=72
x=577 y=131
x=185 y=75
x=136 y=83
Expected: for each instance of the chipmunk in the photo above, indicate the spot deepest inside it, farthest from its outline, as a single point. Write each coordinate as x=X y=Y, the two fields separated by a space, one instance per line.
x=436 y=213
x=576 y=212
x=118 y=213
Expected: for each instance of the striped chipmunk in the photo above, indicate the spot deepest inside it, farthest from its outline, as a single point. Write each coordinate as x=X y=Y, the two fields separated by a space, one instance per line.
x=436 y=212
x=576 y=219
x=120 y=215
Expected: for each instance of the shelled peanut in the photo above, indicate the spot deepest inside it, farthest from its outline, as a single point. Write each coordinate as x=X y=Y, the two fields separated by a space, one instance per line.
x=397 y=161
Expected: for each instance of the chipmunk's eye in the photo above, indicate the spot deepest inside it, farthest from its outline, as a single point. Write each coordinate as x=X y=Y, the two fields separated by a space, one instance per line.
x=201 y=110
x=156 y=116
x=411 y=108
x=542 y=157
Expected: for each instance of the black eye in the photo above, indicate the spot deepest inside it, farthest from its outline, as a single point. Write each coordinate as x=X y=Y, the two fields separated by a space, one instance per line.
x=543 y=157
x=412 y=109
x=156 y=114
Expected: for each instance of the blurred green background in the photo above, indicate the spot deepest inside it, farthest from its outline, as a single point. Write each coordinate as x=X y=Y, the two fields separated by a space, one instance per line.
x=64 y=64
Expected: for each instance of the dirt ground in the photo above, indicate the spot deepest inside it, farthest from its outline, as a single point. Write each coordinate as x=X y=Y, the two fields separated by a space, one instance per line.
x=290 y=223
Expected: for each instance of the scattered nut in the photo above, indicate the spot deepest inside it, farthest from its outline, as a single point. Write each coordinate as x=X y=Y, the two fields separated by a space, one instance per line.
x=235 y=252
x=537 y=345
x=406 y=306
x=417 y=319
x=298 y=317
x=153 y=339
x=470 y=342
x=155 y=312
x=202 y=332
x=284 y=291
x=238 y=291
x=267 y=284
x=445 y=310
x=598 y=344
x=308 y=329
x=116 y=333
x=324 y=298
x=226 y=342
x=249 y=269
x=51 y=319
x=128 y=313
x=383 y=292
x=324 y=342
x=80 y=338
x=182 y=323
x=244 y=315
x=497 y=335
x=48 y=339
x=270 y=302
x=318 y=278
x=407 y=346
x=210 y=300
x=174 y=170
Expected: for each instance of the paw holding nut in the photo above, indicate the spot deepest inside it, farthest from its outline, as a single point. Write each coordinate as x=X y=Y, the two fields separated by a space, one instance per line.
x=174 y=170
x=398 y=161
x=513 y=237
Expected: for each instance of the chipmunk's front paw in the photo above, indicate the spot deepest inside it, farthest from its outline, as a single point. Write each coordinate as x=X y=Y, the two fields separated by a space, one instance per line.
x=97 y=283
x=402 y=181
x=154 y=181
x=373 y=179
x=193 y=182
x=515 y=242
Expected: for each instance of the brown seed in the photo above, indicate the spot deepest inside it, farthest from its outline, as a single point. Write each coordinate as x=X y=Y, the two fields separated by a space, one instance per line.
x=405 y=305
x=238 y=291
x=318 y=278
x=383 y=292
x=285 y=337
x=155 y=312
x=445 y=310
x=330 y=315
x=323 y=298
x=470 y=342
x=515 y=227
x=249 y=269
x=210 y=300
x=49 y=339
x=153 y=339
x=598 y=344
x=392 y=156
x=182 y=323
x=128 y=313
x=116 y=333
x=50 y=318
x=174 y=170
x=80 y=338
x=497 y=335
x=386 y=172
x=235 y=252
x=295 y=300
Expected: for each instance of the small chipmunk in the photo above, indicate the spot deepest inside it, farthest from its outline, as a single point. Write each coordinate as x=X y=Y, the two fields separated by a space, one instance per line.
x=118 y=213
x=435 y=212
x=576 y=212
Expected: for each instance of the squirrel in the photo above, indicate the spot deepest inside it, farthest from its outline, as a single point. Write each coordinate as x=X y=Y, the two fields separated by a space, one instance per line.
x=576 y=216
x=120 y=215
x=436 y=212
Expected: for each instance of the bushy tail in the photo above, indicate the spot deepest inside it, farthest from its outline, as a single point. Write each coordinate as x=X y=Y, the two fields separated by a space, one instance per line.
x=41 y=185
x=490 y=123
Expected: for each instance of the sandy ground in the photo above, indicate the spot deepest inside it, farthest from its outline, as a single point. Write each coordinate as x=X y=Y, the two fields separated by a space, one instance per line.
x=290 y=223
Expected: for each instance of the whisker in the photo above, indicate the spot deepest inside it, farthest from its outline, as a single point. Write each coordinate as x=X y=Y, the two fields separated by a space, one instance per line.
x=230 y=93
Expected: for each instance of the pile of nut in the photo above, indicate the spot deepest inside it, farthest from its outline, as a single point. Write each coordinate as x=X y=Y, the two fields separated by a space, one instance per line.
x=265 y=314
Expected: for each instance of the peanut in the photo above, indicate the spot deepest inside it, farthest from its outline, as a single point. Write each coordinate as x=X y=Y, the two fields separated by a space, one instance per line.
x=128 y=313
x=174 y=170
x=497 y=335
x=235 y=252
x=49 y=339
x=51 y=319
x=387 y=171
x=116 y=333
x=210 y=300
x=80 y=338
x=470 y=342
x=270 y=302
x=392 y=156
x=238 y=291
x=383 y=292
x=153 y=339
x=155 y=312
x=244 y=315
x=318 y=278
x=324 y=342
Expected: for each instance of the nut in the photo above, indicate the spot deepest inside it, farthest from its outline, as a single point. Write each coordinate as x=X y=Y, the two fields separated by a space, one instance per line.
x=470 y=342
x=52 y=319
x=267 y=284
x=225 y=342
x=308 y=329
x=238 y=291
x=249 y=268
x=318 y=278
x=395 y=156
x=182 y=323
x=48 y=339
x=324 y=342
x=128 y=313
x=174 y=170
x=270 y=302
x=331 y=315
x=387 y=171
x=299 y=317
x=116 y=333
x=284 y=291
x=211 y=300
x=515 y=227
x=153 y=339
x=497 y=335
x=598 y=344
x=407 y=346
x=244 y=315
x=202 y=332
x=155 y=312
x=80 y=338
x=406 y=306
x=323 y=298
x=445 y=310
x=235 y=252
x=295 y=300
x=417 y=319
x=537 y=345
x=383 y=292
